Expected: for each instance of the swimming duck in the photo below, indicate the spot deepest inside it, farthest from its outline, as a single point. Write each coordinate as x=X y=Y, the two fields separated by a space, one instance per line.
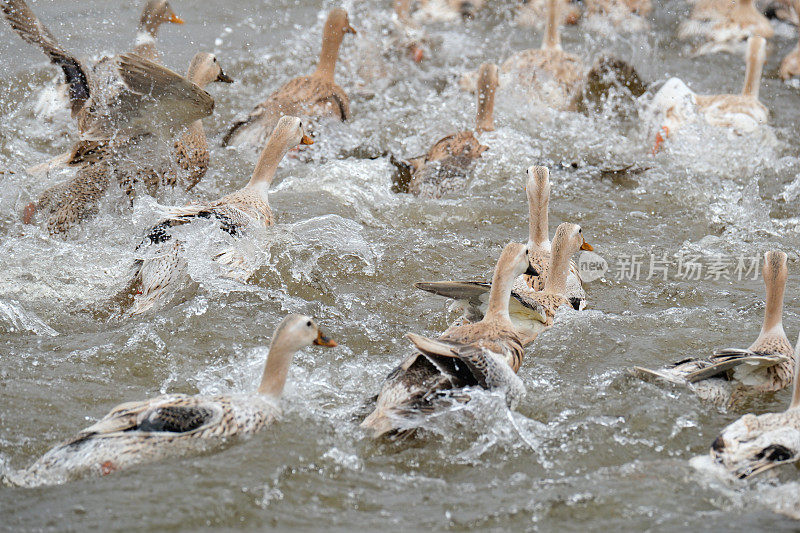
x=548 y=75
x=155 y=13
x=790 y=66
x=533 y=13
x=675 y=105
x=766 y=366
x=173 y=425
x=728 y=30
x=486 y=354
x=755 y=444
x=407 y=35
x=316 y=95
x=54 y=99
x=126 y=95
x=99 y=163
x=539 y=249
x=162 y=265
x=531 y=311
x=444 y=167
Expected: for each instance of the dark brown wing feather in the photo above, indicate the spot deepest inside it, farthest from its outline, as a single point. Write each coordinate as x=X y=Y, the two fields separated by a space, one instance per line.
x=30 y=28
x=175 y=419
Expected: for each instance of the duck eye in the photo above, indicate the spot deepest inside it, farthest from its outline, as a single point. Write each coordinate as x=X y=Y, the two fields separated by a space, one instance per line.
x=308 y=323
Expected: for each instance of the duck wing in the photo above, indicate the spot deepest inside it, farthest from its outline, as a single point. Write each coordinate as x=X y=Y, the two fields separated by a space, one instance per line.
x=473 y=363
x=30 y=28
x=151 y=97
x=730 y=358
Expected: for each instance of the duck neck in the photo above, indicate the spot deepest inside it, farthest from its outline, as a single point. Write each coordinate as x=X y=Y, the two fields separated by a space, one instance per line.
x=485 y=117
x=556 y=282
x=145 y=44
x=538 y=222
x=773 y=314
x=402 y=9
x=331 y=41
x=752 y=76
x=276 y=369
x=502 y=283
x=268 y=163
x=552 y=39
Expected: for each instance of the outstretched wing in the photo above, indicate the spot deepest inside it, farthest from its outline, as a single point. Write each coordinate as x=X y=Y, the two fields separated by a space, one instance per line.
x=475 y=364
x=452 y=359
x=473 y=292
x=730 y=358
x=153 y=98
x=30 y=28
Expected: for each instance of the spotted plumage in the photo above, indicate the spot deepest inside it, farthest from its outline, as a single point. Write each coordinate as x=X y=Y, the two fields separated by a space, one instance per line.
x=731 y=375
x=161 y=265
x=754 y=444
x=128 y=161
x=536 y=296
x=175 y=424
x=125 y=95
x=446 y=165
x=485 y=354
x=316 y=95
x=546 y=76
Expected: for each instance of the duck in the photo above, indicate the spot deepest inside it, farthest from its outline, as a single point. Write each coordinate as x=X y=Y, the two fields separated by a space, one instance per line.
x=731 y=374
x=316 y=95
x=539 y=249
x=161 y=265
x=790 y=65
x=174 y=425
x=443 y=169
x=531 y=311
x=726 y=31
x=533 y=13
x=757 y=443
x=548 y=75
x=378 y=61
x=675 y=105
x=100 y=163
x=486 y=354
x=155 y=13
x=447 y=11
x=123 y=96
x=407 y=35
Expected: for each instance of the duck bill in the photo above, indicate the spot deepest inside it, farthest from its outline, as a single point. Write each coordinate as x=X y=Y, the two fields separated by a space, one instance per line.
x=306 y=140
x=224 y=78
x=531 y=271
x=417 y=54
x=586 y=246
x=350 y=29
x=322 y=340
x=174 y=19
x=661 y=136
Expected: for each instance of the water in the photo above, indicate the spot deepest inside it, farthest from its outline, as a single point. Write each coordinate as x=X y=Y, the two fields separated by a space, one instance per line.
x=588 y=449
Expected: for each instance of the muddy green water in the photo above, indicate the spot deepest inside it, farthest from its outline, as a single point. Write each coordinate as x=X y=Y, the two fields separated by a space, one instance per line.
x=589 y=448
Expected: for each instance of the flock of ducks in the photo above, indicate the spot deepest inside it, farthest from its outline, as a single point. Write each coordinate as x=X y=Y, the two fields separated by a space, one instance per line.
x=124 y=104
